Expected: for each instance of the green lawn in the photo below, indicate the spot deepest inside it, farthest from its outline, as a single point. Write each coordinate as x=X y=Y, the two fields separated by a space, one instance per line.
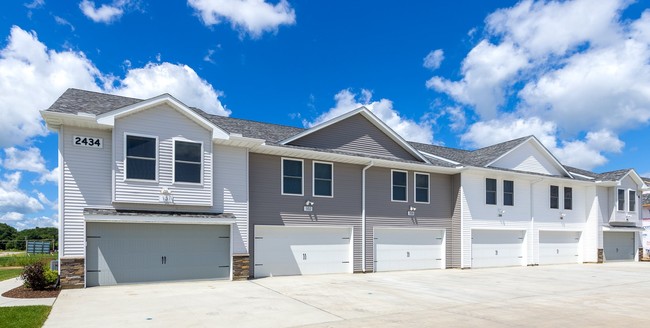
x=23 y=260
x=8 y=273
x=24 y=316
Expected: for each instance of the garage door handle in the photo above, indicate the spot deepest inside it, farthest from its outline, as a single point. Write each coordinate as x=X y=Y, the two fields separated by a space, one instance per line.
x=304 y=256
x=557 y=251
x=496 y=252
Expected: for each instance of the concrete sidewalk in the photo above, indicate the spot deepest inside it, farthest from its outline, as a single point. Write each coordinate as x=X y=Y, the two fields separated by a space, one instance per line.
x=9 y=284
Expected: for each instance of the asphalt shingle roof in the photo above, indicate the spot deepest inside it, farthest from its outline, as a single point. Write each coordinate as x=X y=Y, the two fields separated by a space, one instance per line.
x=73 y=101
x=479 y=157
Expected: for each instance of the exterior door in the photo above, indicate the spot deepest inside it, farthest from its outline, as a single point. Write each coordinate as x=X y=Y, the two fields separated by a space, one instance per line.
x=408 y=249
x=556 y=247
x=133 y=252
x=285 y=251
x=497 y=248
x=618 y=246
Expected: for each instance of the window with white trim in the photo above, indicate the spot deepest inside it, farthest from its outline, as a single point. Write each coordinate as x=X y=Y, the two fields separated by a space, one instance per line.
x=568 y=198
x=555 y=197
x=490 y=191
x=399 y=186
x=187 y=161
x=140 y=157
x=508 y=193
x=292 y=177
x=632 y=200
x=323 y=177
x=421 y=188
x=621 y=199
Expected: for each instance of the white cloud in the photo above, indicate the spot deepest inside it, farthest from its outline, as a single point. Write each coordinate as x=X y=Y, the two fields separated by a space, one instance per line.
x=548 y=67
x=181 y=81
x=105 y=13
x=12 y=199
x=33 y=222
x=586 y=154
x=347 y=101
x=50 y=176
x=32 y=77
x=63 y=21
x=252 y=16
x=11 y=216
x=457 y=118
x=433 y=60
x=24 y=160
x=35 y=4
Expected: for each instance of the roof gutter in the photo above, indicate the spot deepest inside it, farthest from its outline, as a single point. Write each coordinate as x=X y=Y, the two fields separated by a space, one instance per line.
x=363 y=215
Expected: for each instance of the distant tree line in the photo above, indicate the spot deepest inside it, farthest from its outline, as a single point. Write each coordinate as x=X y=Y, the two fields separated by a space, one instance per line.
x=10 y=238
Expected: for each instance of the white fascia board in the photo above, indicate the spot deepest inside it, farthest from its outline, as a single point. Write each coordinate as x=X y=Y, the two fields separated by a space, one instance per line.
x=238 y=141
x=351 y=159
x=581 y=175
x=55 y=119
x=162 y=219
x=524 y=175
x=109 y=118
x=440 y=158
x=373 y=119
x=545 y=152
x=635 y=176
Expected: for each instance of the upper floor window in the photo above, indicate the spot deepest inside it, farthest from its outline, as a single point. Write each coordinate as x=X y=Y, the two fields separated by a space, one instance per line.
x=568 y=198
x=508 y=193
x=421 y=187
x=399 y=184
x=292 y=177
x=140 y=157
x=490 y=191
x=632 y=203
x=555 y=197
x=621 y=200
x=323 y=179
x=187 y=161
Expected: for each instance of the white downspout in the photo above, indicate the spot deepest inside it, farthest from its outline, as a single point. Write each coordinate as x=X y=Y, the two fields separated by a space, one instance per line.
x=363 y=215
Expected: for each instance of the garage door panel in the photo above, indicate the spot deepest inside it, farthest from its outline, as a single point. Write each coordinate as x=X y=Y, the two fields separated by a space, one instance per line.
x=558 y=247
x=618 y=246
x=408 y=249
x=282 y=250
x=495 y=248
x=129 y=253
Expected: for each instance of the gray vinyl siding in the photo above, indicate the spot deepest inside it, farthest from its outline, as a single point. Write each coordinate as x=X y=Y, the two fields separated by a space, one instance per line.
x=456 y=222
x=355 y=134
x=86 y=183
x=270 y=207
x=382 y=212
x=165 y=123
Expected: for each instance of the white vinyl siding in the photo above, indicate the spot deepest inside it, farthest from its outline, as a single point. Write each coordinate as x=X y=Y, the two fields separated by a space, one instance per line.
x=529 y=157
x=149 y=122
x=399 y=186
x=293 y=173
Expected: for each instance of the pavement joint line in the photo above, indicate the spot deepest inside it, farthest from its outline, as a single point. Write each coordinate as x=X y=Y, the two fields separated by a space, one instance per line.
x=297 y=300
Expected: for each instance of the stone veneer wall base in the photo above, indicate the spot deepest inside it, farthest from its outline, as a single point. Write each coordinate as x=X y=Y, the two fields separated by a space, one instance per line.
x=73 y=273
x=241 y=267
x=601 y=255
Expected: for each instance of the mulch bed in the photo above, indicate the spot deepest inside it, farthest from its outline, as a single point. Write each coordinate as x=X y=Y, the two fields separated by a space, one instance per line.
x=24 y=292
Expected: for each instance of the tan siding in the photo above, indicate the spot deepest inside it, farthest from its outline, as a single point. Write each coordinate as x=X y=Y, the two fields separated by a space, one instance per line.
x=86 y=182
x=355 y=134
x=157 y=122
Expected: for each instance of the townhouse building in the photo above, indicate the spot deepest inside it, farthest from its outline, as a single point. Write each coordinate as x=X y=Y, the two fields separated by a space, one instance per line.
x=154 y=190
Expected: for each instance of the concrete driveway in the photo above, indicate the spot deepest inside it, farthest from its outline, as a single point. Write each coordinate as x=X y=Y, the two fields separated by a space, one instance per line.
x=597 y=295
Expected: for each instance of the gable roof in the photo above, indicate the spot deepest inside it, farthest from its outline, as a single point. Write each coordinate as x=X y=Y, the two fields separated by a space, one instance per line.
x=365 y=112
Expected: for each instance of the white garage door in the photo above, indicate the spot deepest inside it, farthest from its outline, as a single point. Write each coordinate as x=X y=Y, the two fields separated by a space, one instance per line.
x=497 y=248
x=618 y=246
x=133 y=252
x=556 y=247
x=408 y=249
x=285 y=251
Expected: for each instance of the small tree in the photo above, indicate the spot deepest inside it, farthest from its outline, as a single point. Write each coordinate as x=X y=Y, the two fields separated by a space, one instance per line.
x=38 y=277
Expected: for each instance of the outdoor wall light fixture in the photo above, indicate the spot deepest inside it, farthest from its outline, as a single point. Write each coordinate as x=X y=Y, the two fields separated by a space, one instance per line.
x=309 y=206
x=411 y=211
x=501 y=212
x=562 y=215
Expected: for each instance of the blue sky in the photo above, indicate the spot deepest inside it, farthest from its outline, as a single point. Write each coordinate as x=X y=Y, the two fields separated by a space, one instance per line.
x=462 y=74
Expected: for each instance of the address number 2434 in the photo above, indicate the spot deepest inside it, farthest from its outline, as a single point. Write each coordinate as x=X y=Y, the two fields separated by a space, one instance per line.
x=88 y=142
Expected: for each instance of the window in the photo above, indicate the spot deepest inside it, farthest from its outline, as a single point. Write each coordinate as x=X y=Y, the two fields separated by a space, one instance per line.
x=421 y=188
x=632 y=194
x=187 y=161
x=140 y=157
x=555 y=197
x=621 y=200
x=508 y=193
x=568 y=198
x=323 y=179
x=291 y=177
x=491 y=191
x=399 y=186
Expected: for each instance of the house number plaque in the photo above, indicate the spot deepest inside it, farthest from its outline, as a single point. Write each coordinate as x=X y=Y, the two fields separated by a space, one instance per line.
x=82 y=141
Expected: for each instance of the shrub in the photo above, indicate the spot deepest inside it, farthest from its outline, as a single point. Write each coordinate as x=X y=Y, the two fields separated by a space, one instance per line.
x=38 y=277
